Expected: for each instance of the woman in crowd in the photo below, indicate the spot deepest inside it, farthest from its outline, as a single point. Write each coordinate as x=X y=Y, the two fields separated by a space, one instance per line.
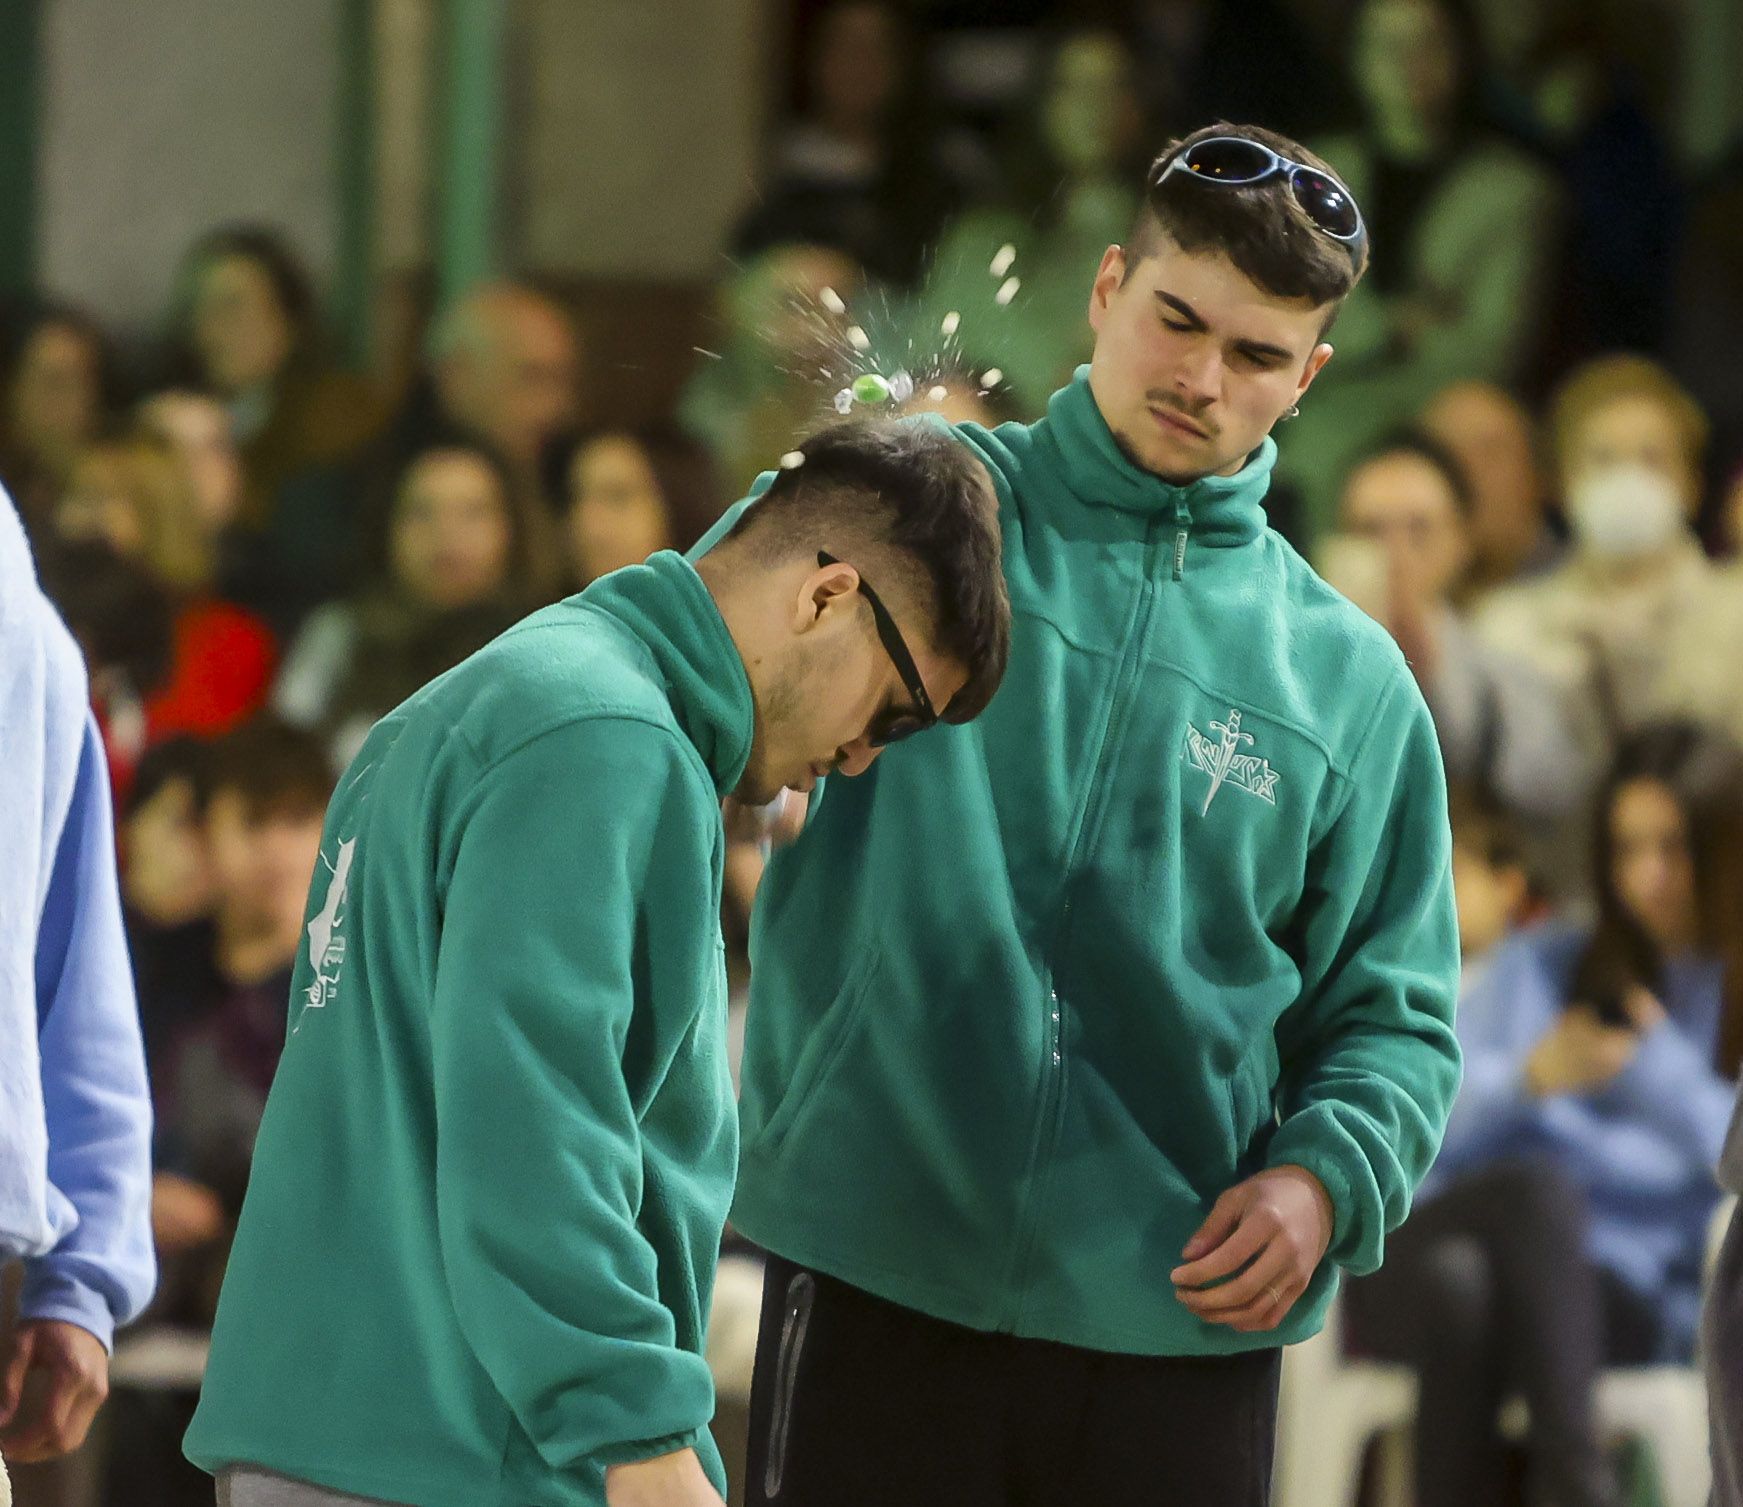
x=246 y=328
x=1636 y=621
x=1462 y=226
x=457 y=555
x=136 y=495
x=627 y=493
x=54 y=394
x=1406 y=515
x=1564 y=1226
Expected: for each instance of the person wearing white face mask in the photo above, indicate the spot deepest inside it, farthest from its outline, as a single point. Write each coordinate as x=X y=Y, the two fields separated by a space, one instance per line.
x=1635 y=622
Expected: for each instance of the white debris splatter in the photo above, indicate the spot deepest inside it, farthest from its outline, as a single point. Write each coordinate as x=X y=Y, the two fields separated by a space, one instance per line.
x=939 y=393
x=1007 y=291
x=901 y=387
x=951 y=321
x=1002 y=262
x=844 y=400
x=831 y=300
x=711 y=355
x=857 y=338
x=792 y=460
x=991 y=378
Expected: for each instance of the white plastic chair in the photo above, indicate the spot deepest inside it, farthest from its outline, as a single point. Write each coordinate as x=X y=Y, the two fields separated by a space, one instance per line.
x=1331 y=1406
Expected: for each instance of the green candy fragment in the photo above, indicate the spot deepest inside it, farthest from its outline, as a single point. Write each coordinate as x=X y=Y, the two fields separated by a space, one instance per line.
x=871 y=388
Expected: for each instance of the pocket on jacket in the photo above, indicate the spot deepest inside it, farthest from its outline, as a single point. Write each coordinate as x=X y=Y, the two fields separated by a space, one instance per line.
x=822 y=1053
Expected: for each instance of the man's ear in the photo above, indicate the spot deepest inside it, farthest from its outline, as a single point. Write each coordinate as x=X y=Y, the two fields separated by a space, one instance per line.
x=824 y=591
x=1315 y=364
x=1108 y=278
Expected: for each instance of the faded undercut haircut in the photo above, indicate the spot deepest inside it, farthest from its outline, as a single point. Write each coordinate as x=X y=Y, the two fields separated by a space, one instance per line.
x=907 y=504
x=1259 y=226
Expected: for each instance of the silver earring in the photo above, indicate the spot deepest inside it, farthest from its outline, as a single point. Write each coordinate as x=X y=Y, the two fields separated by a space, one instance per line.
x=1293 y=411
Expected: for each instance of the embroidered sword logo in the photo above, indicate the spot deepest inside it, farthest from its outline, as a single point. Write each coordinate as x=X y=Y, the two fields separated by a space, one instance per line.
x=1224 y=762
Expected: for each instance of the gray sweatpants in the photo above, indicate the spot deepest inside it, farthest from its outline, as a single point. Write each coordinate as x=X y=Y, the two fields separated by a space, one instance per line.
x=1722 y=1342
x=243 y=1486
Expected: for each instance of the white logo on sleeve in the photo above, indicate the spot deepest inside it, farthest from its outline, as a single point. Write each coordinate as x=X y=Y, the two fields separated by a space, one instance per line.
x=1223 y=761
x=326 y=936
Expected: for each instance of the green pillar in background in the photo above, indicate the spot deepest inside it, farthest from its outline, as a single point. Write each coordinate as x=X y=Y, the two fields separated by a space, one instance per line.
x=470 y=54
x=20 y=65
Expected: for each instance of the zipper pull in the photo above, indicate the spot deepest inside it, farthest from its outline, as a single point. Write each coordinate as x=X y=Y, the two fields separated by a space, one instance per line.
x=1180 y=554
x=1183 y=517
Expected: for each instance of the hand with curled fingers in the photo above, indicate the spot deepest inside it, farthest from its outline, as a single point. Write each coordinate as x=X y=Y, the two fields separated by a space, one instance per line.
x=1255 y=1253
x=55 y=1379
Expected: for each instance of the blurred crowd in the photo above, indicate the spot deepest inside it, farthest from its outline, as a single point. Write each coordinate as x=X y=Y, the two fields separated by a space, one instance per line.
x=1526 y=460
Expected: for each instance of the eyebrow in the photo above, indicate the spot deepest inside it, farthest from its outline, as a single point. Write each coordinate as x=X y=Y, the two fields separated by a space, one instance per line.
x=1258 y=349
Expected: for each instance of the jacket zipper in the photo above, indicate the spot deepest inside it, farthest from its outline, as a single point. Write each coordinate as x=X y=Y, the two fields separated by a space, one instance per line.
x=1052 y=1115
x=801 y=1294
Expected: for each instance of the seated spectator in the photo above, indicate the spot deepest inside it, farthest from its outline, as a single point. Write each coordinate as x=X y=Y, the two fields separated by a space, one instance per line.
x=1493 y=437
x=1487 y=1288
x=1503 y=723
x=124 y=623
x=857 y=169
x=134 y=495
x=54 y=394
x=1636 y=622
x=1612 y=1048
x=1461 y=225
x=626 y=495
x=198 y=431
x=215 y=1015
x=1071 y=191
x=780 y=349
x=247 y=329
x=505 y=366
x=457 y=556
x=166 y=871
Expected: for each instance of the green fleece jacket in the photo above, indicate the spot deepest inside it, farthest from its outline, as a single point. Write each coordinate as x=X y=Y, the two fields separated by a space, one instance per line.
x=474 y=1263
x=1031 y=993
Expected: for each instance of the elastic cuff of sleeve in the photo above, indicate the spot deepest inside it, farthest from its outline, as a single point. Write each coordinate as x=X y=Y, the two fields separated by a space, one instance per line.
x=1331 y=1178
x=632 y=1451
x=52 y=1296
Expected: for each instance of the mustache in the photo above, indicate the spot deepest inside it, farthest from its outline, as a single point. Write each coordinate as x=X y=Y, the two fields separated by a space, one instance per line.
x=1160 y=399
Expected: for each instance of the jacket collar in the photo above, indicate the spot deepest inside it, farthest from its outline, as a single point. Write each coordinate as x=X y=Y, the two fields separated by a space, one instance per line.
x=1222 y=510
x=666 y=606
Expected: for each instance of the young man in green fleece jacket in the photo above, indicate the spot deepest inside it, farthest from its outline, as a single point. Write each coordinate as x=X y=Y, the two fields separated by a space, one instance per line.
x=1086 y=1043
x=474 y=1261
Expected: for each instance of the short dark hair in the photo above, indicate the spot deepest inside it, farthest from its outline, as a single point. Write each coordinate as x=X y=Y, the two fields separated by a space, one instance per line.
x=161 y=765
x=1483 y=825
x=1422 y=446
x=1259 y=227
x=909 y=496
x=275 y=768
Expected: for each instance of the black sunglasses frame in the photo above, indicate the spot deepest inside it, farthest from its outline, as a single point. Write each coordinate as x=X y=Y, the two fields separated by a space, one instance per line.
x=1275 y=164
x=899 y=725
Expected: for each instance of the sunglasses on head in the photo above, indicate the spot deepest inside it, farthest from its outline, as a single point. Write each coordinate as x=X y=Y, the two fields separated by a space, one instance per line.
x=898 y=723
x=1237 y=161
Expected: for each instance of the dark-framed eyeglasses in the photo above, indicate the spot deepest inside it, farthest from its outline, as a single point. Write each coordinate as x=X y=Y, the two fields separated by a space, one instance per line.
x=895 y=725
x=1236 y=161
